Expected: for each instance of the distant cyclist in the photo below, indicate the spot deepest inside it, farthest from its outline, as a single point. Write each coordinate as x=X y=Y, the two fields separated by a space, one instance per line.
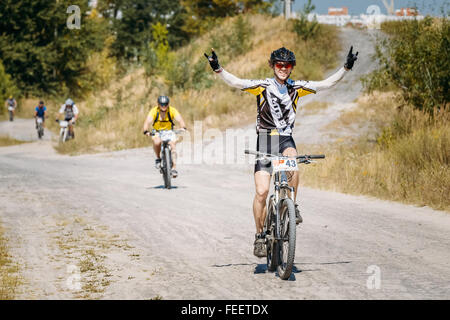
x=40 y=112
x=11 y=102
x=162 y=117
x=70 y=111
x=277 y=100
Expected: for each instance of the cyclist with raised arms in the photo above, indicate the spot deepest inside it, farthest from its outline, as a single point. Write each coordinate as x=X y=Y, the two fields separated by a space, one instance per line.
x=277 y=100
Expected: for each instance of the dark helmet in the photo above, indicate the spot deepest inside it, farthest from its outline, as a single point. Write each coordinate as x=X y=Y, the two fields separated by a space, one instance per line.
x=41 y=102
x=163 y=100
x=283 y=55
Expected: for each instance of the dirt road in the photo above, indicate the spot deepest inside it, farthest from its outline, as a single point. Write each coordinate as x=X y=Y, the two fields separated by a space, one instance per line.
x=101 y=226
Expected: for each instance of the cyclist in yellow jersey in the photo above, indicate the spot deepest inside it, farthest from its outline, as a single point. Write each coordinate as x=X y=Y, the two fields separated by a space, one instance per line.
x=162 y=117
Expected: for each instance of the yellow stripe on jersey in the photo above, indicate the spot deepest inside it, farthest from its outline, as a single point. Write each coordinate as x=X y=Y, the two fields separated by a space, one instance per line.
x=255 y=90
x=304 y=92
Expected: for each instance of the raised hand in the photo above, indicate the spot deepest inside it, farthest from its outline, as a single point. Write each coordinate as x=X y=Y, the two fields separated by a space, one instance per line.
x=213 y=61
x=351 y=58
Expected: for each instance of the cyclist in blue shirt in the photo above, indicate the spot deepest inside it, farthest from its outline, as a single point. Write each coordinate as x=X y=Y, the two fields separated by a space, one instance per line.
x=40 y=112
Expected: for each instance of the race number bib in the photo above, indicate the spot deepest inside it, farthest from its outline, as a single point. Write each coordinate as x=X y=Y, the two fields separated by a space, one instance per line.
x=284 y=165
x=167 y=135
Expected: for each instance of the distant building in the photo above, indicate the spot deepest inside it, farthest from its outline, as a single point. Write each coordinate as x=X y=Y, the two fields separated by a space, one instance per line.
x=338 y=11
x=340 y=17
x=406 y=12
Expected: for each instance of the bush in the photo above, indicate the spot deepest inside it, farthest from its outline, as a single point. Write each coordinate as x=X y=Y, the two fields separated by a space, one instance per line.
x=302 y=27
x=415 y=58
x=7 y=87
x=408 y=161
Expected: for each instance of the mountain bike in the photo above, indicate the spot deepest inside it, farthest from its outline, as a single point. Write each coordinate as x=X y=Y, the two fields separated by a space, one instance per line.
x=166 y=154
x=11 y=113
x=279 y=224
x=64 y=132
x=39 y=127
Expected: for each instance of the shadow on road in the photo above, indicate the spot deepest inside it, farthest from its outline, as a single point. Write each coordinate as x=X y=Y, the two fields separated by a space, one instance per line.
x=162 y=187
x=262 y=267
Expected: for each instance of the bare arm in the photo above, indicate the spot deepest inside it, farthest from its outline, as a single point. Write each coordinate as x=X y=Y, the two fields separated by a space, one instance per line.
x=147 y=122
x=180 y=120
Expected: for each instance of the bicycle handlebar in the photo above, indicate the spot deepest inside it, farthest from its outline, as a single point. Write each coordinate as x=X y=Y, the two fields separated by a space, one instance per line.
x=176 y=131
x=301 y=157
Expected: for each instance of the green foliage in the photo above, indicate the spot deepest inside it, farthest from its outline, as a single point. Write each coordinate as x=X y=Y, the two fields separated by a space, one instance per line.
x=156 y=55
x=133 y=23
x=233 y=41
x=41 y=53
x=177 y=72
x=160 y=43
x=7 y=87
x=302 y=27
x=200 y=15
x=415 y=58
x=238 y=41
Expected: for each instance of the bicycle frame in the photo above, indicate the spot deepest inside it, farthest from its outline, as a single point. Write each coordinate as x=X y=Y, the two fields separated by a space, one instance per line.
x=282 y=191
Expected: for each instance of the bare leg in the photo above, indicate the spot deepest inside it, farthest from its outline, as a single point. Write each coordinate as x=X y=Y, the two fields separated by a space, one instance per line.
x=157 y=146
x=262 y=184
x=174 y=154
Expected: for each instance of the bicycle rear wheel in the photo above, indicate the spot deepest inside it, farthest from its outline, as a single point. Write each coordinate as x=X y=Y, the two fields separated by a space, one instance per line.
x=271 y=245
x=40 y=131
x=286 y=246
x=167 y=167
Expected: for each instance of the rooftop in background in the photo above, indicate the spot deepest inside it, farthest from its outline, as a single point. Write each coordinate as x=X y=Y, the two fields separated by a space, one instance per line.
x=357 y=7
x=409 y=12
x=337 y=11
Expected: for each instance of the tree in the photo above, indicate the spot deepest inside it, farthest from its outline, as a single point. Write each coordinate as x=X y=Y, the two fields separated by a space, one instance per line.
x=7 y=87
x=302 y=26
x=40 y=52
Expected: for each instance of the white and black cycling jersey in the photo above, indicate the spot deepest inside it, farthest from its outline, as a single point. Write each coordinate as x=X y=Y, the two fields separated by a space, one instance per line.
x=277 y=103
x=69 y=113
x=11 y=102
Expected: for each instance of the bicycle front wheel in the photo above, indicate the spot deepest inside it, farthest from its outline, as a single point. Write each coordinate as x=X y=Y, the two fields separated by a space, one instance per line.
x=286 y=245
x=167 y=168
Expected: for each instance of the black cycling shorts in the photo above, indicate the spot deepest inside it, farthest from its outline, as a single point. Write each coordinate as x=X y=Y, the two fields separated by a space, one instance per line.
x=275 y=144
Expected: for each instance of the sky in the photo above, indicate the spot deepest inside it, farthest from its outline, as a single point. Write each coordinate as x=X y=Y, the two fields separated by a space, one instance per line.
x=356 y=7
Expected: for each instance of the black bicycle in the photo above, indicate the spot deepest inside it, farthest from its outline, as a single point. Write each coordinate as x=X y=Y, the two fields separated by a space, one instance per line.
x=11 y=113
x=166 y=154
x=279 y=224
x=39 y=127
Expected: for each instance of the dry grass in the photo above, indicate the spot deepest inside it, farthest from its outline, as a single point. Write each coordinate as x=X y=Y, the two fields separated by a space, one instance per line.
x=9 y=278
x=8 y=141
x=408 y=161
x=374 y=110
x=86 y=245
x=314 y=107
